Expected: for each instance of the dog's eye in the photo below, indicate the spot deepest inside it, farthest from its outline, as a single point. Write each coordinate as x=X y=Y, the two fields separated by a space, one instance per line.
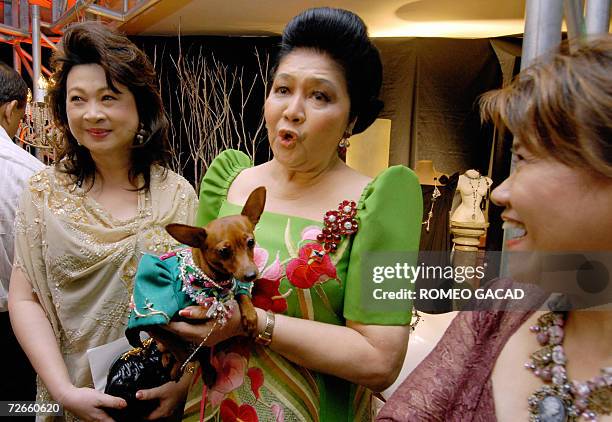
x=251 y=243
x=224 y=253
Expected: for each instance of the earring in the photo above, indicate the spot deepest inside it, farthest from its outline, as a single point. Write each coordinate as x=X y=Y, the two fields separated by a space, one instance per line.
x=344 y=144
x=139 y=139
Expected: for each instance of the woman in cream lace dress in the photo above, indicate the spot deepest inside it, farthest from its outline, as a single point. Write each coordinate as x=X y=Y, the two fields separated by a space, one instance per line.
x=84 y=222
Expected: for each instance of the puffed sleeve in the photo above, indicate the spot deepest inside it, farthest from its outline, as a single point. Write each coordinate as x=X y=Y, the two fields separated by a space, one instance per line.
x=216 y=182
x=390 y=214
x=157 y=295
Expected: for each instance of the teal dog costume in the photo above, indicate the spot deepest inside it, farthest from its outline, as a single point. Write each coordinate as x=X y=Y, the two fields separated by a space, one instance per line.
x=165 y=285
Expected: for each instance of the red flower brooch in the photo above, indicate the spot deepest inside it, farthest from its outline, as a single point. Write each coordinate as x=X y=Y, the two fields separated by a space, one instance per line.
x=338 y=223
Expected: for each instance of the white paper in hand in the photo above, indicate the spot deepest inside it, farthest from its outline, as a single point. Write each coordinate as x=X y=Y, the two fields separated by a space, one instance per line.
x=101 y=359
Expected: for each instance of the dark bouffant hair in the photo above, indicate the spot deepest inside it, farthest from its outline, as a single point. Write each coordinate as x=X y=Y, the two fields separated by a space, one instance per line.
x=344 y=37
x=123 y=63
x=562 y=107
x=12 y=86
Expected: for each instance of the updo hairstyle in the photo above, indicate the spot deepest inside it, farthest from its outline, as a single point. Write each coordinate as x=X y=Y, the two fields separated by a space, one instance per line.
x=343 y=36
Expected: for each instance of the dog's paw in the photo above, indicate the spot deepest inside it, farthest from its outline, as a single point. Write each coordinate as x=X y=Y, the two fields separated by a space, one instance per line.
x=249 y=320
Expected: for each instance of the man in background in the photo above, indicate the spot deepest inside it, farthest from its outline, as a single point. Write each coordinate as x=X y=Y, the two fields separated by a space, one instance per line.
x=16 y=167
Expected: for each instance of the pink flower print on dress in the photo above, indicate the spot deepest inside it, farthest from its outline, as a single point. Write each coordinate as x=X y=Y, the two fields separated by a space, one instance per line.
x=311 y=233
x=278 y=412
x=230 y=368
x=266 y=294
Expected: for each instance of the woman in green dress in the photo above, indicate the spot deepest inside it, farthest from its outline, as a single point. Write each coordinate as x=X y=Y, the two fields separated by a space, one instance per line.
x=327 y=337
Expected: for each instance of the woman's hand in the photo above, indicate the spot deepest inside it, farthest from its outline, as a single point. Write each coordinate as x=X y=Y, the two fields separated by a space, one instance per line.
x=37 y=339
x=207 y=330
x=171 y=395
x=88 y=404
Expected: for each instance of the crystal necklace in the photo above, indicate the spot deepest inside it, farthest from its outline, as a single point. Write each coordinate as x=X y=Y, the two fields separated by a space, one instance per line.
x=561 y=399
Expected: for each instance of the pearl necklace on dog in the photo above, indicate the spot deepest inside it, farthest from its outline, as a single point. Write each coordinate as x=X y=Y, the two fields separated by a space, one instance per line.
x=213 y=294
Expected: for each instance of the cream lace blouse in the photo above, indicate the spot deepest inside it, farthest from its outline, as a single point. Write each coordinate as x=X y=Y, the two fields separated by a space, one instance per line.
x=81 y=261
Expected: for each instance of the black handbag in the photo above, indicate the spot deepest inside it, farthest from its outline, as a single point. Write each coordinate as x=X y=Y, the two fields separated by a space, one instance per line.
x=137 y=369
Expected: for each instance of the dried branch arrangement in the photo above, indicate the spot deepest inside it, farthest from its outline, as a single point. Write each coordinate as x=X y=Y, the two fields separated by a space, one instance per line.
x=211 y=102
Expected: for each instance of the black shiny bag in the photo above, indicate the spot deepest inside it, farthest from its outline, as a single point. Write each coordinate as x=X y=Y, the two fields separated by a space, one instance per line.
x=137 y=369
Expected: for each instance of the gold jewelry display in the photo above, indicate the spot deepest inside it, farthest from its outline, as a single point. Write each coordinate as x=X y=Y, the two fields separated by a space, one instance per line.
x=265 y=337
x=434 y=195
x=37 y=128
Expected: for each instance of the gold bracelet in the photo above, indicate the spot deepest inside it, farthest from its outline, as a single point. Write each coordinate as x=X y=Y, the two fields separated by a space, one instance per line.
x=265 y=337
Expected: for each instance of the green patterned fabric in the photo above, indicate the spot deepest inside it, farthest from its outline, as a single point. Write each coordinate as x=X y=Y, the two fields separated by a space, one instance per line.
x=389 y=214
x=160 y=292
x=157 y=295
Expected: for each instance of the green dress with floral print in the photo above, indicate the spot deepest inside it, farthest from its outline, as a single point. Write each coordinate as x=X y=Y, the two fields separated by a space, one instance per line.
x=260 y=384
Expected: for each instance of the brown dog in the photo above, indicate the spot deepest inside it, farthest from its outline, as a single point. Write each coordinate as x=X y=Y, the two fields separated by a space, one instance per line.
x=223 y=250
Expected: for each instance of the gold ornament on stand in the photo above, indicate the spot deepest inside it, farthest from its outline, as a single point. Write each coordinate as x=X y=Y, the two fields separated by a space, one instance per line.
x=37 y=129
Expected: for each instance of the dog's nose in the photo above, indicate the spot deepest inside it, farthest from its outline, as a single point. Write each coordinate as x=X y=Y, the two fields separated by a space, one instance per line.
x=250 y=276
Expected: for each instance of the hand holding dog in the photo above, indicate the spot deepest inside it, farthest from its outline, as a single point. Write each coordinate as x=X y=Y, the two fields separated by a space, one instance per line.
x=221 y=252
x=195 y=332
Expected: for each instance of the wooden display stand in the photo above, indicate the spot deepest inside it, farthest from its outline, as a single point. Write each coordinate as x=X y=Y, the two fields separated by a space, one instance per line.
x=466 y=236
x=466 y=240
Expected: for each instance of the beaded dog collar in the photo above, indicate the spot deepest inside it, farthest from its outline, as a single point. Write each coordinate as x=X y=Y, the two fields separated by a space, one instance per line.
x=207 y=292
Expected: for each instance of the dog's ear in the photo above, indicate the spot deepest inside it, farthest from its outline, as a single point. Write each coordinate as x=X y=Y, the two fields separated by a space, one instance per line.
x=255 y=205
x=188 y=235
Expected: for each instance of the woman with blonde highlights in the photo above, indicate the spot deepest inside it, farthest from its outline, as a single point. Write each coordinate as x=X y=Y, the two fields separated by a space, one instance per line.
x=526 y=365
